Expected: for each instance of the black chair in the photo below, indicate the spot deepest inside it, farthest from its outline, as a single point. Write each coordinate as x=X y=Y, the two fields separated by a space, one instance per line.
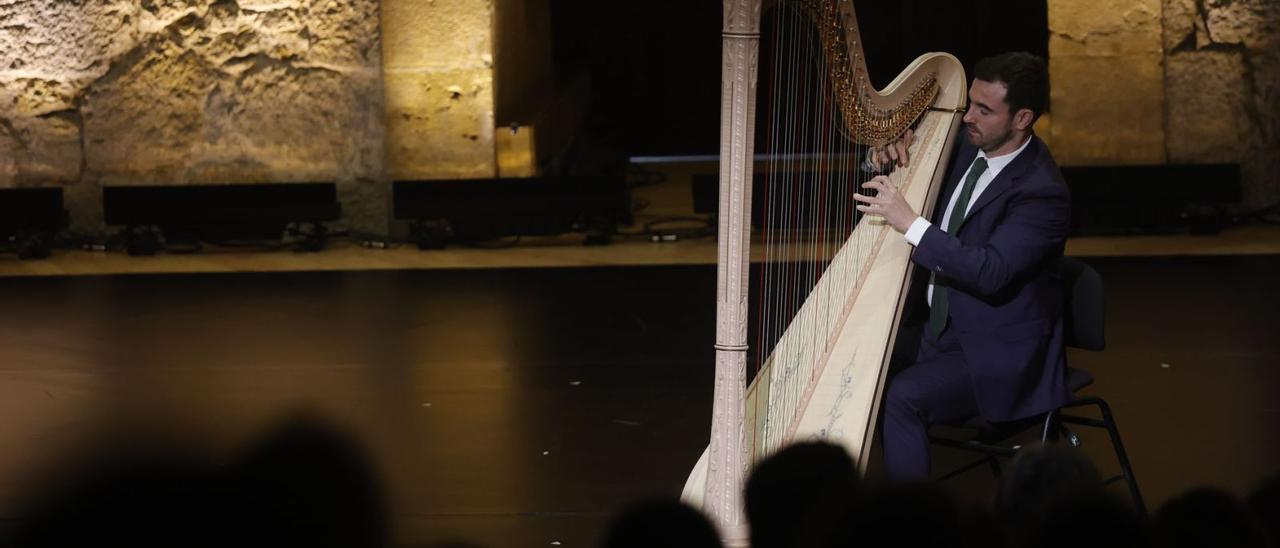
x=1085 y=310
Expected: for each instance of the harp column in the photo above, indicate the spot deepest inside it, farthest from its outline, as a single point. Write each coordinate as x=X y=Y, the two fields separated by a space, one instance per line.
x=727 y=456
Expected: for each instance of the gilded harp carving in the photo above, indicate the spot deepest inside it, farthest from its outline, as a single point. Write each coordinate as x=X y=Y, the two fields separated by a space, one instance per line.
x=820 y=370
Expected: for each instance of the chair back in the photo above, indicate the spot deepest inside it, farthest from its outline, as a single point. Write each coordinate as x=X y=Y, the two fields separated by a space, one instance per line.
x=1085 y=305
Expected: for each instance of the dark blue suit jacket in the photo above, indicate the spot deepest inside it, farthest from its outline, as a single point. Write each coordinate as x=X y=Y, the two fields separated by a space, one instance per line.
x=1005 y=295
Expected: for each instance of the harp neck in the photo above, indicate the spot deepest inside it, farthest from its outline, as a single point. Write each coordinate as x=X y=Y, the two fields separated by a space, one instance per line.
x=869 y=116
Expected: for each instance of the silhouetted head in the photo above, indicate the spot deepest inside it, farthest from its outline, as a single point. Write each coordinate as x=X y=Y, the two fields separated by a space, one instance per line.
x=1036 y=479
x=788 y=487
x=308 y=485
x=147 y=497
x=902 y=515
x=1092 y=518
x=1264 y=502
x=661 y=522
x=1207 y=518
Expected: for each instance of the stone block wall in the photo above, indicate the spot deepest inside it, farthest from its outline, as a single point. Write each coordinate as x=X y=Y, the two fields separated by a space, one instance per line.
x=1222 y=75
x=440 y=88
x=1107 y=88
x=1168 y=81
x=126 y=92
x=140 y=92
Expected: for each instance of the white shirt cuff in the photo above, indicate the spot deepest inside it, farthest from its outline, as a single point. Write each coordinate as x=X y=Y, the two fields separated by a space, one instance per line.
x=916 y=231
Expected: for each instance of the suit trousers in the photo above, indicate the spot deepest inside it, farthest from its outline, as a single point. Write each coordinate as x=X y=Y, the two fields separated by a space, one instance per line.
x=937 y=388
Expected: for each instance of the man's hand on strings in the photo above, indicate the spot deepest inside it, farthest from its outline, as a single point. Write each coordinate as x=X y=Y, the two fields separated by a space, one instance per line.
x=893 y=153
x=888 y=203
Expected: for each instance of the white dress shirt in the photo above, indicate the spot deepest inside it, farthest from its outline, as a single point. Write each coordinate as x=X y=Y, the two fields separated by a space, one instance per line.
x=994 y=165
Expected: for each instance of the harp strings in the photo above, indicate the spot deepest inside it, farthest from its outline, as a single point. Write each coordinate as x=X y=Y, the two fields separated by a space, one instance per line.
x=812 y=252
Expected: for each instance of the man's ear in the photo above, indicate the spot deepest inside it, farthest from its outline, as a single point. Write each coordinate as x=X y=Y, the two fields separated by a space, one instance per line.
x=1023 y=119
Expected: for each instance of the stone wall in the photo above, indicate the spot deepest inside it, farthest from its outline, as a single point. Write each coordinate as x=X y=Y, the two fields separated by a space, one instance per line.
x=1222 y=76
x=440 y=88
x=1107 y=88
x=142 y=92
x=125 y=92
x=1168 y=81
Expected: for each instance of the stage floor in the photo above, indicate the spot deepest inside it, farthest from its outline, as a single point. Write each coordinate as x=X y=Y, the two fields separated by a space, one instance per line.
x=523 y=406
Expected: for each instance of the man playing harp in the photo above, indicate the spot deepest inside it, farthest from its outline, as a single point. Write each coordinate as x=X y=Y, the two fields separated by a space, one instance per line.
x=993 y=343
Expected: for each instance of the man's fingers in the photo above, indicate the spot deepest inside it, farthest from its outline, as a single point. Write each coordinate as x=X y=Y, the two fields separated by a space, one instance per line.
x=899 y=148
x=880 y=183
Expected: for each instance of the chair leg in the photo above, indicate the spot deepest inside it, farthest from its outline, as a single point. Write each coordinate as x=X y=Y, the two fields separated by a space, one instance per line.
x=1049 y=430
x=979 y=462
x=994 y=463
x=1109 y=422
x=1072 y=437
x=991 y=455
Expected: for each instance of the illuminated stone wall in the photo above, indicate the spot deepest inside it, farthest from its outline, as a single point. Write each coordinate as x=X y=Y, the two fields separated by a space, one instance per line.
x=1107 y=89
x=440 y=88
x=125 y=92
x=364 y=91
x=1222 y=71
x=1176 y=81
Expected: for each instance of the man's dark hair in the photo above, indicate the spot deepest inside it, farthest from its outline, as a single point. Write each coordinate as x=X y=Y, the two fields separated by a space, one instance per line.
x=1025 y=76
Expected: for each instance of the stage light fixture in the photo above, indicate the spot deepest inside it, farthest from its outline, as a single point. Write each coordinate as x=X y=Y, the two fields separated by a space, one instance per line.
x=30 y=219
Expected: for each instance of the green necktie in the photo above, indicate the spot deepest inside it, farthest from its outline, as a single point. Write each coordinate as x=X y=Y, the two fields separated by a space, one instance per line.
x=938 y=309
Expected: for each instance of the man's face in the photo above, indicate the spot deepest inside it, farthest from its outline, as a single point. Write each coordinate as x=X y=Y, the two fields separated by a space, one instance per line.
x=988 y=120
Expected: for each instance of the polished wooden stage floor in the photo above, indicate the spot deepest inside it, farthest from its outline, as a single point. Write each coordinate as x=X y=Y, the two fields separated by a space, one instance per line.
x=521 y=406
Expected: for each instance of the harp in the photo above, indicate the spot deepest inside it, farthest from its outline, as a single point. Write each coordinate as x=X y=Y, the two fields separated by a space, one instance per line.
x=821 y=351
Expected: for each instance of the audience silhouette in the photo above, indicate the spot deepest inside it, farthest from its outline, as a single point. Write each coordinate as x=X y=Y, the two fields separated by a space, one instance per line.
x=1037 y=479
x=1264 y=503
x=306 y=485
x=661 y=522
x=1207 y=518
x=787 y=490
